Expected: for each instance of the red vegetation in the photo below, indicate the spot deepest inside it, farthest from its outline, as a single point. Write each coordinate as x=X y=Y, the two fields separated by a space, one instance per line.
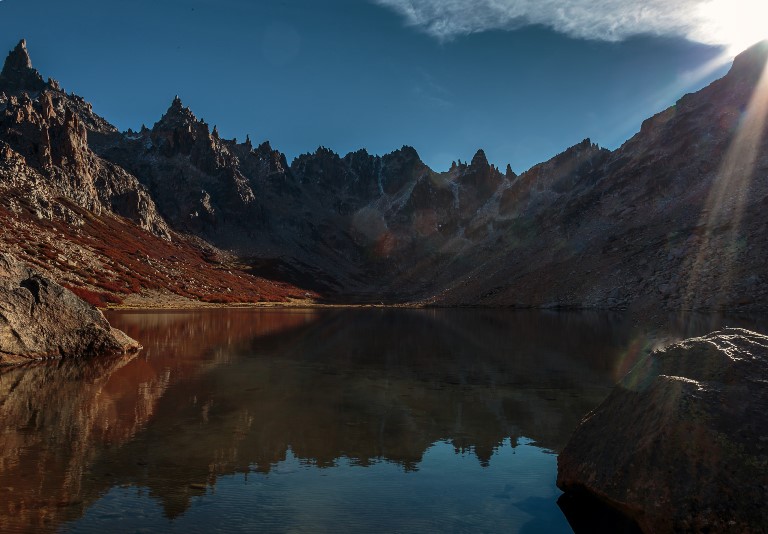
x=96 y=298
x=108 y=257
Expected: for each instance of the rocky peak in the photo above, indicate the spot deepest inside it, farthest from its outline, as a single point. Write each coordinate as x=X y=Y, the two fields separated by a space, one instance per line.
x=179 y=131
x=18 y=59
x=751 y=63
x=406 y=153
x=509 y=173
x=565 y=169
x=479 y=180
x=479 y=160
x=263 y=148
x=18 y=74
x=176 y=115
x=576 y=153
x=323 y=166
x=399 y=168
x=276 y=162
x=361 y=162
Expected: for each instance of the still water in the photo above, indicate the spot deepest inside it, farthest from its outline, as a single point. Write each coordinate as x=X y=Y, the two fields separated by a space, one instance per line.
x=244 y=420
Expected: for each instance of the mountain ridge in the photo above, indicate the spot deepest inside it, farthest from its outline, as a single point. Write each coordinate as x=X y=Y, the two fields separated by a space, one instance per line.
x=368 y=228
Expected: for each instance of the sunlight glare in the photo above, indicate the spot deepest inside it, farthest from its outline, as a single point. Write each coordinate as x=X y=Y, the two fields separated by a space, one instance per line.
x=736 y=23
x=728 y=197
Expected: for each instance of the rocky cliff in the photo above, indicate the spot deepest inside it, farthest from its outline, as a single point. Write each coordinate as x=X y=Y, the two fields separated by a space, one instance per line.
x=43 y=130
x=88 y=222
x=673 y=218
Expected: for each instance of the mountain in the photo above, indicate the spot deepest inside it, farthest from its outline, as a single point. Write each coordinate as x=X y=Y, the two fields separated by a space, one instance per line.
x=674 y=218
x=83 y=219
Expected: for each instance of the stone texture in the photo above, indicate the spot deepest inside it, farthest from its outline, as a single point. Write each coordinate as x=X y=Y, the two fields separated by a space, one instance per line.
x=681 y=443
x=41 y=319
x=48 y=130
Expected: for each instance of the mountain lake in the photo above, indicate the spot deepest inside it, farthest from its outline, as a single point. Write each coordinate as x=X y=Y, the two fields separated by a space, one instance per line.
x=316 y=420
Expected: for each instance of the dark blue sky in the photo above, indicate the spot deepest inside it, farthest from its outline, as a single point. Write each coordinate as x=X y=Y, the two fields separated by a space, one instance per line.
x=348 y=74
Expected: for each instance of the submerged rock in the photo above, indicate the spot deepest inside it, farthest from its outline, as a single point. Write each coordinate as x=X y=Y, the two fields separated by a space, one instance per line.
x=41 y=319
x=681 y=443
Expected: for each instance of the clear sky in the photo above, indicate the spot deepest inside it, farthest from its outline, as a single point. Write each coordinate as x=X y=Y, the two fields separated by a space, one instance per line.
x=522 y=79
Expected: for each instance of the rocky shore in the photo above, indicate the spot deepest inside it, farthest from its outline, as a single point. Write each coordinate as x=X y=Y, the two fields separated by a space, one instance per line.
x=40 y=319
x=681 y=443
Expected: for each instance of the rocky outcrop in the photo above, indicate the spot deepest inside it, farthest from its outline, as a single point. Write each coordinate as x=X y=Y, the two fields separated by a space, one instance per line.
x=41 y=319
x=18 y=74
x=681 y=443
x=48 y=130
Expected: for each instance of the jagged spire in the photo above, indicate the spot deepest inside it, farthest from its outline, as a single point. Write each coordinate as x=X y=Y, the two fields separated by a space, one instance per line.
x=479 y=159
x=176 y=114
x=18 y=74
x=18 y=58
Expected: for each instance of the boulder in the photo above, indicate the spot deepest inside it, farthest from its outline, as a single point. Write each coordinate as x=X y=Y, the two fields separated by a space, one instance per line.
x=41 y=319
x=681 y=443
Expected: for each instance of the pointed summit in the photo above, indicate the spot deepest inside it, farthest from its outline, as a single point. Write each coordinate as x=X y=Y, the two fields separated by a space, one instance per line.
x=176 y=115
x=19 y=58
x=479 y=159
x=18 y=74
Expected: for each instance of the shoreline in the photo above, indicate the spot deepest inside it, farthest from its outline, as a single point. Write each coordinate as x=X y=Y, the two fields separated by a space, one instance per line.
x=176 y=302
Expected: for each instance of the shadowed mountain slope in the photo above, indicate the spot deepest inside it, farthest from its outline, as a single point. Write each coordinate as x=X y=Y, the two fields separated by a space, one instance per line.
x=673 y=218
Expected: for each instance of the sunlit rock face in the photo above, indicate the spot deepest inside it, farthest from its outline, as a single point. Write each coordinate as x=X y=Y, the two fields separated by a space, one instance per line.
x=41 y=319
x=680 y=443
x=85 y=221
x=44 y=131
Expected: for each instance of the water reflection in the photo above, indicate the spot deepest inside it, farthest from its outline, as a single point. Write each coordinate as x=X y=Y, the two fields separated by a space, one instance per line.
x=220 y=396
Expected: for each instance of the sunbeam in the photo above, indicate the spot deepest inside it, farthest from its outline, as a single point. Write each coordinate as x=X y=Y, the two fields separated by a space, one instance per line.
x=724 y=209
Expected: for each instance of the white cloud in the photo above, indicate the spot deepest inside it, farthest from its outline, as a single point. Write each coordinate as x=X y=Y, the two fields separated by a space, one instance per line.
x=718 y=22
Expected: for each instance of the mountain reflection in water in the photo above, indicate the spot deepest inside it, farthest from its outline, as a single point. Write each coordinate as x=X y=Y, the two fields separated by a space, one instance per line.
x=361 y=397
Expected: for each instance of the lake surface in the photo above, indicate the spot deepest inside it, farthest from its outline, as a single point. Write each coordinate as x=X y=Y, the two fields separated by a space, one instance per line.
x=289 y=420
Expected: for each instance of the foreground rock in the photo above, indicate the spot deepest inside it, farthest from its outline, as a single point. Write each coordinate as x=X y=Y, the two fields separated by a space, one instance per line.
x=681 y=444
x=41 y=319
